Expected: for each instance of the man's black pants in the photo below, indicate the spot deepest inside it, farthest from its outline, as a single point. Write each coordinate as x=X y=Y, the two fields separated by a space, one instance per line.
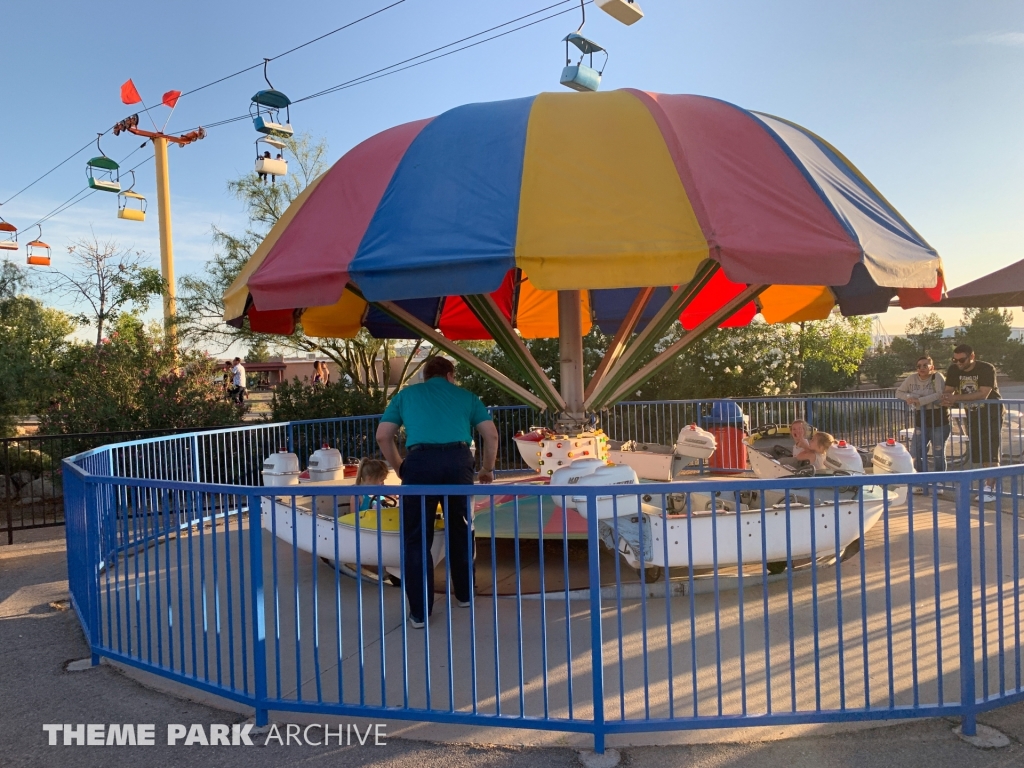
x=442 y=465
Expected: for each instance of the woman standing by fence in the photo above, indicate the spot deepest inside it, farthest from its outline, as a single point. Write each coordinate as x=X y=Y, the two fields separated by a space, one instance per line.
x=922 y=391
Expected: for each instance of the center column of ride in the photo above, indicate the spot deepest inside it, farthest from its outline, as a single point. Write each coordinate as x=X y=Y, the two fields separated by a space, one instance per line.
x=570 y=351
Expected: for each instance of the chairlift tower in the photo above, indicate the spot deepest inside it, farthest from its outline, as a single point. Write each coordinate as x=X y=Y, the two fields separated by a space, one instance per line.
x=163 y=206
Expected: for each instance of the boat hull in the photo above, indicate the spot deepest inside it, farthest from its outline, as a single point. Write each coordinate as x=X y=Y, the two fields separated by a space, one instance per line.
x=368 y=547
x=728 y=539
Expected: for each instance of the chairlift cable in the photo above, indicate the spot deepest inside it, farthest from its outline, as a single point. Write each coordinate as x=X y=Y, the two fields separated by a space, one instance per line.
x=390 y=69
x=202 y=87
x=366 y=78
x=72 y=201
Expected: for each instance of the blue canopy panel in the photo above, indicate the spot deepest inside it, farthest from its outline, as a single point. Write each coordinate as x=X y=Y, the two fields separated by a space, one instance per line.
x=862 y=295
x=894 y=253
x=382 y=326
x=611 y=305
x=447 y=222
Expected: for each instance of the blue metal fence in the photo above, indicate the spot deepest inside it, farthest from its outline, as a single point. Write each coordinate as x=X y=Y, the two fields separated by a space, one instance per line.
x=723 y=603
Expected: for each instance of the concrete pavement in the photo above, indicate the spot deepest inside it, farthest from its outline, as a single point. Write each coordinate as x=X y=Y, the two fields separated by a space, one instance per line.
x=37 y=641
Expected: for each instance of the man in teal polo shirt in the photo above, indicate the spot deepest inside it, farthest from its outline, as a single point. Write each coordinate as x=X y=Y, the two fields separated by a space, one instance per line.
x=439 y=418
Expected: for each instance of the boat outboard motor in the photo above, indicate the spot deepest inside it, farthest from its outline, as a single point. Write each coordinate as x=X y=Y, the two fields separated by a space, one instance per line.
x=843 y=457
x=695 y=443
x=281 y=468
x=892 y=458
x=611 y=474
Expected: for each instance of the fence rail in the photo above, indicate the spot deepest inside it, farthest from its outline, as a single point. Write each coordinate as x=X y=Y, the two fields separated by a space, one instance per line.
x=234 y=455
x=722 y=603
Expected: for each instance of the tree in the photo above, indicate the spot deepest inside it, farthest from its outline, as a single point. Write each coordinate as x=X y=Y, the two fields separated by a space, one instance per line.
x=131 y=381
x=105 y=279
x=830 y=351
x=883 y=367
x=201 y=310
x=988 y=332
x=924 y=336
x=12 y=279
x=258 y=351
x=33 y=338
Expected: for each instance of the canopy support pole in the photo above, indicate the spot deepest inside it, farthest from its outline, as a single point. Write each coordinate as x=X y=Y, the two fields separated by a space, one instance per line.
x=494 y=321
x=462 y=355
x=618 y=345
x=655 y=329
x=570 y=354
x=722 y=314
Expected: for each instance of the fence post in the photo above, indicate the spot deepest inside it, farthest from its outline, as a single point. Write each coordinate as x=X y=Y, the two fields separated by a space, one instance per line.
x=8 y=495
x=94 y=557
x=195 y=459
x=965 y=607
x=809 y=410
x=596 y=635
x=259 y=619
x=291 y=437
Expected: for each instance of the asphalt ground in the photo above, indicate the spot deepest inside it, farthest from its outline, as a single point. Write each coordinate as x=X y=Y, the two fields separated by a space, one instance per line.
x=39 y=636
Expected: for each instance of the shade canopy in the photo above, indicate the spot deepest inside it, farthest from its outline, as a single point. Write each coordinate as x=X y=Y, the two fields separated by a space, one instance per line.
x=607 y=193
x=1002 y=288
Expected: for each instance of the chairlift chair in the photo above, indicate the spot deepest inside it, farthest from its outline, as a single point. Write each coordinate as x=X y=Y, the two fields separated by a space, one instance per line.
x=103 y=174
x=266 y=164
x=130 y=204
x=265 y=110
x=37 y=252
x=8 y=236
x=625 y=11
x=580 y=76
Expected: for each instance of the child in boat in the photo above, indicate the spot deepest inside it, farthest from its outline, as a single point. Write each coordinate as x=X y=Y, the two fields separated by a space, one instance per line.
x=819 y=444
x=372 y=472
x=799 y=430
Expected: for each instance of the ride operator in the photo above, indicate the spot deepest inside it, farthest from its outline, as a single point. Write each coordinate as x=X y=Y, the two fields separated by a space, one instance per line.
x=439 y=418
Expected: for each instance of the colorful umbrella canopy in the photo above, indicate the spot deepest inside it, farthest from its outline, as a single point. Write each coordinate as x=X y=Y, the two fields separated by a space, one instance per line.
x=605 y=192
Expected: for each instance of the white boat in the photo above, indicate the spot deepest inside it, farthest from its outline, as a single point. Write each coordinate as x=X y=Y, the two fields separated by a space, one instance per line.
x=724 y=537
x=277 y=516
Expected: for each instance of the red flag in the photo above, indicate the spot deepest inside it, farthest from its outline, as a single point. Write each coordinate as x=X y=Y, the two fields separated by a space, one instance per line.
x=171 y=98
x=129 y=95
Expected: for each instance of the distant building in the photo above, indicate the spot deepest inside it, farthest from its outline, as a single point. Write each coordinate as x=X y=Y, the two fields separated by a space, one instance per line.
x=277 y=369
x=1016 y=334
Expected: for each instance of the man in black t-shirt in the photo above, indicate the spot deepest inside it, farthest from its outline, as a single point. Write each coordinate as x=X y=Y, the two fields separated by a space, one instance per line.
x=973 y=383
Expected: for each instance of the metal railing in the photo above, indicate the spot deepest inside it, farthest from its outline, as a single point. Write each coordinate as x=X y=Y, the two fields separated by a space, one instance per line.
x=234 y=456
x=30 y=473
x=723 y=603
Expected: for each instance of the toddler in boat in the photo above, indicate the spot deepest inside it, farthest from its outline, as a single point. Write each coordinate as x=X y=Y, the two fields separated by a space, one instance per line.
x=799 y=430
x=816 y=451
x=372 y=472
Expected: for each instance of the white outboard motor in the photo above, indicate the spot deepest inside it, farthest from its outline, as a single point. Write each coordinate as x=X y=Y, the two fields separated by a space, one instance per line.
x=891 y=458
x=611 y=474
x=695 y=443
x=571 y=474
x=326 y=464
x=281 y=468
x=843 y=457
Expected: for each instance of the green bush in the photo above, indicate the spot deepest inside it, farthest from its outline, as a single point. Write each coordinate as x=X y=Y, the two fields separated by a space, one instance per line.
x=132 y=382
x=883 y=368
x=296 y=400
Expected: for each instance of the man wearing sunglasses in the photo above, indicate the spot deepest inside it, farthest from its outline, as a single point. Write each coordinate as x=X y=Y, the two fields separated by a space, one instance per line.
x=972 y=383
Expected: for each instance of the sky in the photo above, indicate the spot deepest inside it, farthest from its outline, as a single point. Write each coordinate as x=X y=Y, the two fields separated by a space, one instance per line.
x=925 y=97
